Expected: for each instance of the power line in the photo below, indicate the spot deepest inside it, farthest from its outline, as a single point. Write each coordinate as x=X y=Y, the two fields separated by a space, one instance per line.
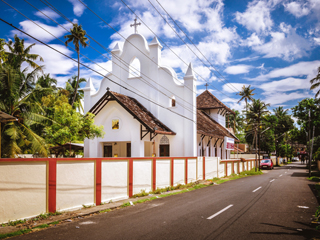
x=93 y=69
x=139 y=49
x=169 y=47
x=106 y=56
x=192 y=43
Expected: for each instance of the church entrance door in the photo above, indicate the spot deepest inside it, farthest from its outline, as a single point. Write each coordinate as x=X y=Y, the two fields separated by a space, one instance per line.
x=107 y=151
x=164 y=151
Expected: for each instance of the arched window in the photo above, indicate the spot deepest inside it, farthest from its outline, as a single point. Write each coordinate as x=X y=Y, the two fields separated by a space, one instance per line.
x=134 y=68
x=164 y=147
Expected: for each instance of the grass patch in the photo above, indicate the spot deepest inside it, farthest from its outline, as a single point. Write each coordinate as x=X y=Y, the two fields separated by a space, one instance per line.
x=127 y=204
x=314 y=178
x=54 y=223
x=234 y=176
x=13 y=234
x=42 y=226
x=105 y=210
x=141 y=194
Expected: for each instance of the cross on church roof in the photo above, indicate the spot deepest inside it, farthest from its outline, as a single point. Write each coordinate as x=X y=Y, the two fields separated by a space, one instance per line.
x=135 y=25
x=206 y=86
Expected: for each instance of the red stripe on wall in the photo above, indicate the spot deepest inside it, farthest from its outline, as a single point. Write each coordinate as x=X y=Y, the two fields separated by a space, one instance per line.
x=130 y=177
x=52 y=193
x=172 y=169
x=204 y=168
x=186 y=173
x=98 y=182
x=154 y=172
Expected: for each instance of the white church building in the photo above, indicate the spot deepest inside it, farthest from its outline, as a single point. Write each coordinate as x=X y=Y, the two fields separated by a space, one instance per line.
x=146 y=110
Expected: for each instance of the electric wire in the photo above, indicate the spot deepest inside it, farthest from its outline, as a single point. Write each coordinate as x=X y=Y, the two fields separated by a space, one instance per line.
x=146 y=82
x=62 y=15
x=194 y=45
x=139 y=49
x=93 y=69
x=168 y=47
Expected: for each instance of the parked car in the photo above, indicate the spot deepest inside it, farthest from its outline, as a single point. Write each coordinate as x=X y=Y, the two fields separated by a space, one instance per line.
x=295 y=159
x=266 y=164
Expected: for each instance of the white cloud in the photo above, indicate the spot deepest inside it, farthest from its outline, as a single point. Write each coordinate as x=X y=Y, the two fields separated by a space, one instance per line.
x=256 y=17
x=253 y=40
x=285 y=85
x=280 y=98
x=287 y=45
x=298 y=8
x=78 y=7
x=37 y=32
x=47 y=11
x=308 y=69
x=233 y=87
x=238 y=69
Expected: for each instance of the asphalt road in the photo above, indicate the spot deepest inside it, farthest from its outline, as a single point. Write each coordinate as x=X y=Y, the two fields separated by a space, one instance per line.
x=276 y=205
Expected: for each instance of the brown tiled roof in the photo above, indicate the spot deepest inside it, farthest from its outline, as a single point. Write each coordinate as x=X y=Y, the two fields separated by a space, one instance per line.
x=206 y=100
x=136 y=109
x=209 y=127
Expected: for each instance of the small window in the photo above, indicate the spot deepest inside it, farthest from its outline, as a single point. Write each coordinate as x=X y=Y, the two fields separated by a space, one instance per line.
x=173 y=101
x=134 y=68
x=115 y=123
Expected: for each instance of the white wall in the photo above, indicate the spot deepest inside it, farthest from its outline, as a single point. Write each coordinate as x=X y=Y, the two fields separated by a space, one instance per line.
x=23 y=190
x=163 y=173
x=114 y=180
x=142 y=176
x=179 y=171
x=75 y=184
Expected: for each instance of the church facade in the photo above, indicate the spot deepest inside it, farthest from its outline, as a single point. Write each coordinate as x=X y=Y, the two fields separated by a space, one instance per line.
x=146 y=110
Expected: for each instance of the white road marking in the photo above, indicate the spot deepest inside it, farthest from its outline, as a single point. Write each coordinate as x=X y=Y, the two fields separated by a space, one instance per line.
x=272 y=180
x=256 y=189
x=280 y=175
x=221 y=211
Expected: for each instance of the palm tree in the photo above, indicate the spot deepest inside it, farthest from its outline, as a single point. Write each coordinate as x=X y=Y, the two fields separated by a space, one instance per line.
x=257 y=112
x=15 y=99
x=316 y=82
x=77 y=37
x=236 y=121
x=280 y=112
x=73 y=95
x=18 y=54
x=246 y=94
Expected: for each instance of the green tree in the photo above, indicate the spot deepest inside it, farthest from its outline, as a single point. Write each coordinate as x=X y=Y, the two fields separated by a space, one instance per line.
x=246 y=95
x=71 y=88
x=236 y=121
x=19 y=54
x=3 y=56
x=68 y=125
x=77 y=37
x=316 y=83
x=15 y=99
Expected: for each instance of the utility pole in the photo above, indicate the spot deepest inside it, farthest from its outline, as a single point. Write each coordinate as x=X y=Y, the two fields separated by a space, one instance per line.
x=255 y=135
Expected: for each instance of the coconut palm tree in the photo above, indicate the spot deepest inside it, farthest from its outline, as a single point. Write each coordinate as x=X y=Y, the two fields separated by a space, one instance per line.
x=71 y=88
x=236 y=121
x=15 y=99
x=77 y=37
x=257 y=111
x=246 y=95
x=18 y=54
x=316 y=83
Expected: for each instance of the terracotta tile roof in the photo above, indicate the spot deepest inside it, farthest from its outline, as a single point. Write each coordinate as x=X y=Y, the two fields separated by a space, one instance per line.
x=136 y=109
x=209 y=127
x=206 y=100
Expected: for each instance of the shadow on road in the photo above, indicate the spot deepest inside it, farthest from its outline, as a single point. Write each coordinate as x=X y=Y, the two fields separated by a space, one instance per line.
x=307 y=232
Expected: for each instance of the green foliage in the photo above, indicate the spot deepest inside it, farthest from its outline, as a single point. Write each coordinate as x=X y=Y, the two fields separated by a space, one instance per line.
x=68 y=124
x=105 y=210
x=127 y=204
x=141 y=194
x=16 y=233
x=316 y=82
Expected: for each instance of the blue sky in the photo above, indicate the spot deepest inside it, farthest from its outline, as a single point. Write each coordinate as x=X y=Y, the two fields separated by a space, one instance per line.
x=274 y=46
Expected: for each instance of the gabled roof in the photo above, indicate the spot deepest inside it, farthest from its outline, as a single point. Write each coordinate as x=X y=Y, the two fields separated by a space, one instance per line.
x=209 y=127
x=206 y=100
x=136 y=109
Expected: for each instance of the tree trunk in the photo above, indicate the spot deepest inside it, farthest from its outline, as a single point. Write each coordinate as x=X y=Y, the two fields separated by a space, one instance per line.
x=75 y=92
